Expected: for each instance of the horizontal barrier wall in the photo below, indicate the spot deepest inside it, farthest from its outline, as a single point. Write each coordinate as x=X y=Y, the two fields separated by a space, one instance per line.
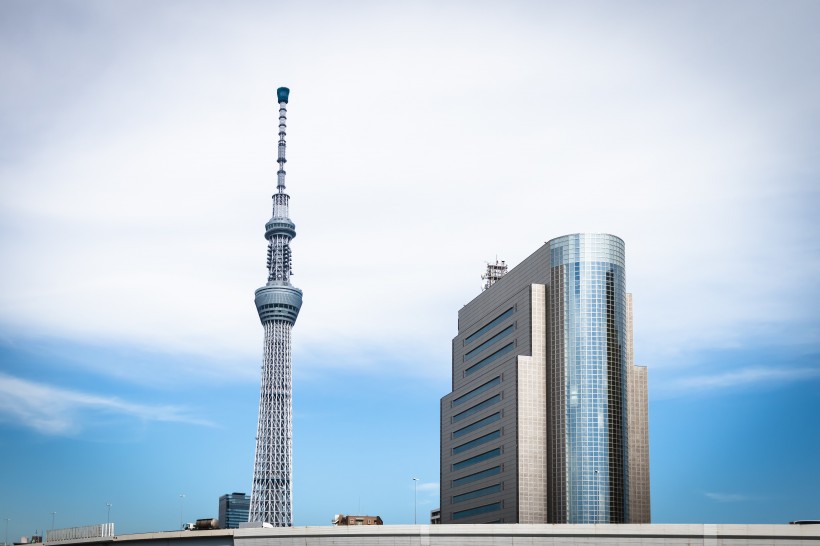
x=100 y=530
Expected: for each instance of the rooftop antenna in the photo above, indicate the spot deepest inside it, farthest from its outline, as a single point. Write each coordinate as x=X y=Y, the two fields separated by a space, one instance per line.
x=494 y=272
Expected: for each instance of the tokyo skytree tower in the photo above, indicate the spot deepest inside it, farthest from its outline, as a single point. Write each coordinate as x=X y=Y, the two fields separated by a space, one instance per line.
x=278 y=306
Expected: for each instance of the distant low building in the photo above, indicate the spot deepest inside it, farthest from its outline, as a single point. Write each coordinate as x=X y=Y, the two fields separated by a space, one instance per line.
x=341 y=520
x=233 y=510
x=35 y=539
x=435 y=516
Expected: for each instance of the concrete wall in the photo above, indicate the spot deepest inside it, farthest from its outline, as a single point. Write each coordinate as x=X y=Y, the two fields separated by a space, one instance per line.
x=482 y=535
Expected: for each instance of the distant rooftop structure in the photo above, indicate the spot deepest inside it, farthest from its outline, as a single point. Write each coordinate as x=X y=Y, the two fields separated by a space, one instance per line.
x=341 y=520
x=494 y=272
x=233 y=510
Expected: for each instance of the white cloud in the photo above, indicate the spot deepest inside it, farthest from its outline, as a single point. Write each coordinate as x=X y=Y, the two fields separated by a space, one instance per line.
x=422 y=141
x=729 y=497
x=56 y=411
x=742 y=378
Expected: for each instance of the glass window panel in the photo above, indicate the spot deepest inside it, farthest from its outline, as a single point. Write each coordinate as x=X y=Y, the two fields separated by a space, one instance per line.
x=478 y=390
x=490 y=359
x=477 y=510
x=484 y=491
x=477 y=459
x=478 y=407
x=477 y=476
x=490 y=342
x=495 y=322
x=477 y=425
x=477 y=442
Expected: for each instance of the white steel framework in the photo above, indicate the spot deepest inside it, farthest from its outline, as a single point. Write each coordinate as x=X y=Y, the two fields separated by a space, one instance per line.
x=278 y=304
x=272 y=471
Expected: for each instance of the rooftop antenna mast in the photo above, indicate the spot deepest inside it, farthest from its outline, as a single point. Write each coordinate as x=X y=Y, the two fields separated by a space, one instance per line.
x=494 y=272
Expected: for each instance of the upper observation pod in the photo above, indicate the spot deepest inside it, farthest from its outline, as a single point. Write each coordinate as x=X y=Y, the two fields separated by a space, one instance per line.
x=282 y=94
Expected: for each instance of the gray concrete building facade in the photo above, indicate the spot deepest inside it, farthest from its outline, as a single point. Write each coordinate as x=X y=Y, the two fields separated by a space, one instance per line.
x=536 y=428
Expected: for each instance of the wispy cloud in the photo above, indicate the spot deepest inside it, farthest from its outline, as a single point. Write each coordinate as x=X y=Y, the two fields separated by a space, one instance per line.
x=158 y=250
x=55 y=411
x=730 y=497
x=744 y=377
x=431 y=486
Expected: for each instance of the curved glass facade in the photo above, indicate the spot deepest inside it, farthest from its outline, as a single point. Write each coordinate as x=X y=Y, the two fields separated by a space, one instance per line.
x=588 y=379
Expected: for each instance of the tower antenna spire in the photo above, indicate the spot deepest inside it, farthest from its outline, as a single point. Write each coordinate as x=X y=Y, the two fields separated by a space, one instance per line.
x=278 y=304
x=282 y=96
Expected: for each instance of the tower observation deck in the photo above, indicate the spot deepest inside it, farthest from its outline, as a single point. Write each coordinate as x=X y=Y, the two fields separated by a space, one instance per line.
x=278 y=304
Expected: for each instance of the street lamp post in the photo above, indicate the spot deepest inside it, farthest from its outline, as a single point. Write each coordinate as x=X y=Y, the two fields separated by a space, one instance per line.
x=415 y=498
x=597 y=497
x=6 y=541
x=181 y=505
x=108 y=518
x=52 y=520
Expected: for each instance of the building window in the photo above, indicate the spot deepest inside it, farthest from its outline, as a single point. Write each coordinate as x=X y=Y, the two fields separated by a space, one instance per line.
x=477 y=510
x=477 y=493
x=486 y=328
x=477 y=459
x=477 y=425
x=477 y=476
x=475 y=392
x=490 y=342
x=477 y=442
x=490 y=359
x=478 y=407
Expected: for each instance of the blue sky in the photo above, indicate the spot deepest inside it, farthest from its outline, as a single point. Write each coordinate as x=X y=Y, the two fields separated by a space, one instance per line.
x=136 y=166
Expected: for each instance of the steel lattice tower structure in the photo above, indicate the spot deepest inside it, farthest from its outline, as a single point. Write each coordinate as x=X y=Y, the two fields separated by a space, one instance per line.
x=278 y=304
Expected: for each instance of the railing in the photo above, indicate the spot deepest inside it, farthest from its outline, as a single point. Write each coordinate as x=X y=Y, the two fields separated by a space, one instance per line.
x=101 y=530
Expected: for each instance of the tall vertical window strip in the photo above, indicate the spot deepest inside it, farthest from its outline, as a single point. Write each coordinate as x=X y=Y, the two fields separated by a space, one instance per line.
x=477 y=510
x=475 y=392
x=588 y=387
x=490 y=359
x=477 y=476
x=490 y=342
x=484 y=491
x=478 y=407
x=487 y=327
x=477 y=425
x=477 y=459
x=477 y=442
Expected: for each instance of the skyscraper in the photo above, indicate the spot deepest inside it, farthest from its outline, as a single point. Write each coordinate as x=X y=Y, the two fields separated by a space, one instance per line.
x=233 y=510
x=278 y=304
x=537 y=427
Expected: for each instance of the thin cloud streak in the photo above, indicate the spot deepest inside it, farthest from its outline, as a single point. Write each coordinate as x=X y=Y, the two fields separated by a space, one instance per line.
x=729 y=497
x=53 y=411
x=431 y=486
x=745 y=378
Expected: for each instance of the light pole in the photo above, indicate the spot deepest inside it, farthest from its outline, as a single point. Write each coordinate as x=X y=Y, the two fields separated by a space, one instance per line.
x=6 y=541
x=52 y=520
x=415 y=498
x=597 y=496
x=181 y=505
x=108 y=518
